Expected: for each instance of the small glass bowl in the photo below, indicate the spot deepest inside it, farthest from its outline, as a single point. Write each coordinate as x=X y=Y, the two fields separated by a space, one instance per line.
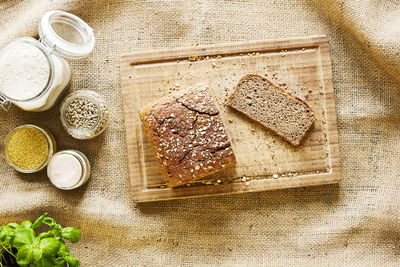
x=102 y=119
x=51 y=143
x=85 y=164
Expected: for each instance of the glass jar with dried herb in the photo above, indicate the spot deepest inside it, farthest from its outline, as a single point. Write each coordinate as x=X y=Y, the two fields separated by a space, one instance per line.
x=84 y=114
x=28 y=148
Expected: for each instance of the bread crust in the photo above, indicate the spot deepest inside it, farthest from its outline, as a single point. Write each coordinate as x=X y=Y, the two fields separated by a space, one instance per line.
x=229 y=99
x=188 y=168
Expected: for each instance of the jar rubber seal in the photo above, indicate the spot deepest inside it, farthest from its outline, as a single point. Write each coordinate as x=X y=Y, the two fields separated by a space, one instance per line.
x=66 y=34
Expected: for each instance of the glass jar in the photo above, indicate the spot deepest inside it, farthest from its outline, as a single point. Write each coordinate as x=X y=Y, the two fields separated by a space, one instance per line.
x=84 y=114
x=49 y=139
x=68 y=169
x=33 y=73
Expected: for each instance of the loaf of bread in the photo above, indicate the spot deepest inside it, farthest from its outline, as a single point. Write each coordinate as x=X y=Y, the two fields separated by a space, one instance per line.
x=259 y=99
x=187 y=135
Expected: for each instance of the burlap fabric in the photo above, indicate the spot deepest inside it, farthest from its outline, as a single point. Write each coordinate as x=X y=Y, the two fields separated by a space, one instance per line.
x=354 y=223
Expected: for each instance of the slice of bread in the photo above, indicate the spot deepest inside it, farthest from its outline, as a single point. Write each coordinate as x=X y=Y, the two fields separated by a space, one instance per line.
x=260 y=100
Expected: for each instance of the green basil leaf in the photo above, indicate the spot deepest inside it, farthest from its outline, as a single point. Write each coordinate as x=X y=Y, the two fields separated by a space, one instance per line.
x=6 y=233
x=26 y=224
x=37 y=254
x=49 y=221
x=63 y=248
x=45 y=235
x=24 y=256
x=55 y=262
x=50 y=246
x=58 y=261
x=36 y=242
x=39 y=221
x=72 y=260
x=23 y=237
x=8 y=240
x=13 y=225
x=71 y=234
x=45 y=261
x=56 y=233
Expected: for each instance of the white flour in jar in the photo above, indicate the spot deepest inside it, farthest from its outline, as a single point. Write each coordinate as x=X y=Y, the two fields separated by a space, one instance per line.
x=24 y=71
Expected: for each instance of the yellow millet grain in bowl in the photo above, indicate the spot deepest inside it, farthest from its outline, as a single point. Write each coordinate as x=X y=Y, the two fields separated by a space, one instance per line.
x=27 y=148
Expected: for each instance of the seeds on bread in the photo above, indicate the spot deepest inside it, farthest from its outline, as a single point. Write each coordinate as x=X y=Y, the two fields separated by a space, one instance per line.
x=187 y=135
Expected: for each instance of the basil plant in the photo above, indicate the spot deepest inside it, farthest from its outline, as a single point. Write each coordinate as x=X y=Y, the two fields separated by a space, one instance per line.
x=20 y=246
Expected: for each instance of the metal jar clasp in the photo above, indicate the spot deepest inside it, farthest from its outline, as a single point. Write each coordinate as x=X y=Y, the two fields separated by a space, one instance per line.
x=5 y=103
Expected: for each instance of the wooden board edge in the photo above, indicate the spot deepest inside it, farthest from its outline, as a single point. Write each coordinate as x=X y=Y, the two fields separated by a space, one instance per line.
x=222 y=49
x=332 y=127
x=134 y=183
x=234 y=188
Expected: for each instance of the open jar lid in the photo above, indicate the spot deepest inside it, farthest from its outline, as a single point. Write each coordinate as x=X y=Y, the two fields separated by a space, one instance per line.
x=66 y=34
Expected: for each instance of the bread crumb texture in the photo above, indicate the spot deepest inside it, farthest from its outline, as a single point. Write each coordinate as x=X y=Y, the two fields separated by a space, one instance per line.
x=284 y=114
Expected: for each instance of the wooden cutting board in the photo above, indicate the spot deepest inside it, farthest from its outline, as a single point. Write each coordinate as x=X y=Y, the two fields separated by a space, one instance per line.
x=265 y=161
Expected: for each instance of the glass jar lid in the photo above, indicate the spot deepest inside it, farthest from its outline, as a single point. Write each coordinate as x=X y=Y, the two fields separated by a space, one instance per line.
x=66 y=34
